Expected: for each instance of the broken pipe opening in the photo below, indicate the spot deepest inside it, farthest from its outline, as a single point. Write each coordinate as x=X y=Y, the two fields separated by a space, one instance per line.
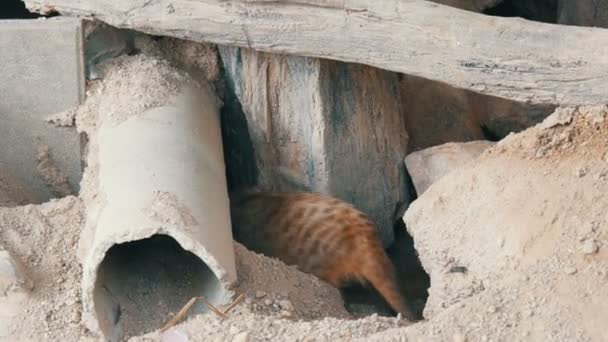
x=160 y=220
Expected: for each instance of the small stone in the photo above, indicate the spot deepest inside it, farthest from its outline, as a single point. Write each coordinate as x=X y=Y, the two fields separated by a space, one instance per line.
x=589 y=247
x=285 y=314
x=458 y=337
x=492 y=309
x=260 y=294
x=267 y=302
x=75 y=316
x=501 y=242
x=569 y=270
x=580 y=172
x=242 y=337
x=286 y=304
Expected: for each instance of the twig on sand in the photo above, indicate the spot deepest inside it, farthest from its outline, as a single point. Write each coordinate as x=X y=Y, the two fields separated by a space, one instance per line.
x=184 y=311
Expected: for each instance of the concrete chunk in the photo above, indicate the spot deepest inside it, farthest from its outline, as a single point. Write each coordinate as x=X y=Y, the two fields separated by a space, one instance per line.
x=42 y=74
x=429 y=165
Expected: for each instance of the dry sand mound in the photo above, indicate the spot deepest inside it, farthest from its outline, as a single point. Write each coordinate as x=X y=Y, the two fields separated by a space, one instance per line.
x=516 y=242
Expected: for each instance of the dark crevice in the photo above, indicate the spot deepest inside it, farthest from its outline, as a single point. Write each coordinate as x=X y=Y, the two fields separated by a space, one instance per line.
x=488 y=134
x=15 y=9
x=536 y=10
x=412 y=277
x=239 y=154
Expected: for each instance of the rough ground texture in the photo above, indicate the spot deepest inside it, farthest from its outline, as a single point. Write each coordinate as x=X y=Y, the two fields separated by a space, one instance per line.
x=516 y=242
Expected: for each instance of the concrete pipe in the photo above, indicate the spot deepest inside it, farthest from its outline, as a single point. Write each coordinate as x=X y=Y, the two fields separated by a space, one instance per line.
x=162 y=234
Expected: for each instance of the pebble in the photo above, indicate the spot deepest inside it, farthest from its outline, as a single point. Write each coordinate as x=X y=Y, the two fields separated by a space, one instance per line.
x=589 y=247
x=492 y=309
x=286 y=305
x=501 y=242
x=285 y=314
x=267 y=302
x=242 y=337
x=260 y=294
x=569 y=270
x=76 y=316
x=580 y=172
x=458 y=337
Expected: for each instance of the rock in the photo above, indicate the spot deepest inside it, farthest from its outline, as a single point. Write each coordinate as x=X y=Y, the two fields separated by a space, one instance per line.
x=589 y=247
x=561 y=116
x=570 y=270
x=427 y=166
x=296 y=123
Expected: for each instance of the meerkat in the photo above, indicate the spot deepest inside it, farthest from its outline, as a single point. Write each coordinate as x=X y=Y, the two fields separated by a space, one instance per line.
x=319 y=234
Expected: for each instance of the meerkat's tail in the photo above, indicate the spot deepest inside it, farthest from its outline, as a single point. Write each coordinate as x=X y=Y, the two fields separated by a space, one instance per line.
x=383 y=277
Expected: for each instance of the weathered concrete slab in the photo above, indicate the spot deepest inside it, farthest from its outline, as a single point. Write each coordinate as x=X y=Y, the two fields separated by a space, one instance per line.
x=42 y=74
x=506 y=57
x=318 y=125
x=429 y=165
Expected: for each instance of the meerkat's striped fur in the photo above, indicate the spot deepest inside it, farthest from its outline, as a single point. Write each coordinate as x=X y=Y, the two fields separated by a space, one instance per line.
x=322 y=235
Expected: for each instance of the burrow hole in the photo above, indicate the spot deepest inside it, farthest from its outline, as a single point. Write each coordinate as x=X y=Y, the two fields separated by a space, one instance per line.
x=141 y=284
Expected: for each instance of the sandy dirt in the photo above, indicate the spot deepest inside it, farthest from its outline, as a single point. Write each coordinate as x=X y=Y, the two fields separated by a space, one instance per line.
x=515 y=242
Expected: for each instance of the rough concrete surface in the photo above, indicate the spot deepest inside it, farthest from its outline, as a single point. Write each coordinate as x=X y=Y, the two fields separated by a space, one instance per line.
x=506 y=57
x=42 y=74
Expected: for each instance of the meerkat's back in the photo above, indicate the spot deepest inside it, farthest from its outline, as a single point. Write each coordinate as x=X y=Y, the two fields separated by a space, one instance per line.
x=321 y=235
